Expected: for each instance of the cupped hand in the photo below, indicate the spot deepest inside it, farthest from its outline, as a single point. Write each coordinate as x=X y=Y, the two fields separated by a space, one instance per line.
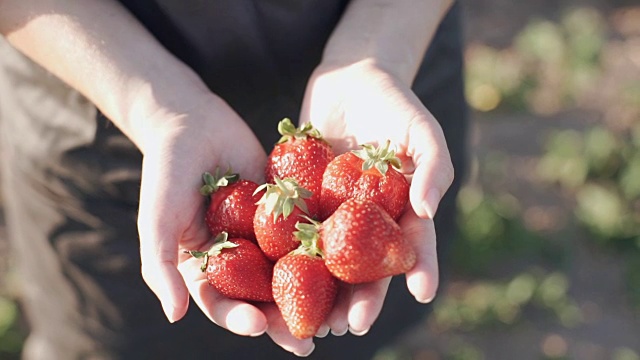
x=362 y=103
x=178 y=148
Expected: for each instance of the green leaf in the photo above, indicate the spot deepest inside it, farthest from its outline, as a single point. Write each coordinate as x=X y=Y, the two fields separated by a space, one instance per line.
x=287 y=208
x=368 y=164
x=382 y=167
x=379 y=157
x=288 y=130
x=302 y=205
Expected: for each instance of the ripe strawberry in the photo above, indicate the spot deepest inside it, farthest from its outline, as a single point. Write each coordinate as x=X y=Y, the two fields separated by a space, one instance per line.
x=361 y=243
x=365 y=174
x=275 y=219
x=301 y=154
x=304 y=291
x=237 y=269
x=232 y=204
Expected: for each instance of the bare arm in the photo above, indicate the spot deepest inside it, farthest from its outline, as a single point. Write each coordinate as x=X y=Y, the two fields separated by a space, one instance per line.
x=98 y=48
x=392 y=34
x=361 y=93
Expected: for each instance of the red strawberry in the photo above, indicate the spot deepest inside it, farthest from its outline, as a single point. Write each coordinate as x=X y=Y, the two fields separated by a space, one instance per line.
x=304 y=291
x=361 y=243
x=301 y=154
x=232 y=204
x=237 y=269
x=365 y=174
x=275 y=219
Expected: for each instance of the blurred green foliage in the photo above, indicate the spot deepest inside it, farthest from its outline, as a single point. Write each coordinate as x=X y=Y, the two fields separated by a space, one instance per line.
x=624 y=353
x=506 y=271
x=600 y=170
x=11 y=335
x=497 y=303
x=549 y=65
x=491 y=231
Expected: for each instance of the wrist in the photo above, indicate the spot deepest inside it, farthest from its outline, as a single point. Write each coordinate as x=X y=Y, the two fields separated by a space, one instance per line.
x=393 y=34
x=370 y=66
x=350 y=76
x=152 y=107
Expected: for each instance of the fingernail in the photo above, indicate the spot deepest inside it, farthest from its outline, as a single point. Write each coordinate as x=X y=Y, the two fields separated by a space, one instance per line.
x=259 y=333
x=431 y=203
x=323 y=331
x=307 y=353
x=339 y=333
x=425 y=301
x=358 y=333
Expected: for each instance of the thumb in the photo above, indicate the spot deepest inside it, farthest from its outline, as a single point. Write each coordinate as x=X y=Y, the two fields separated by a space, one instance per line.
x=433 y=172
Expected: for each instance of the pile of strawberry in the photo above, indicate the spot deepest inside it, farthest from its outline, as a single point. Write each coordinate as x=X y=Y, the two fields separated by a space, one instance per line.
x=319 y=219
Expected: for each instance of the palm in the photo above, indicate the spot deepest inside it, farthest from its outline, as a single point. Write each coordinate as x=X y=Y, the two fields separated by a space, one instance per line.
x=354 y=106
x=171 y=217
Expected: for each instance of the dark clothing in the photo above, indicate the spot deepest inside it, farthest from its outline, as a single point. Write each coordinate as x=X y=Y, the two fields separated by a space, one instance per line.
x=257 y=55
x=71 y=180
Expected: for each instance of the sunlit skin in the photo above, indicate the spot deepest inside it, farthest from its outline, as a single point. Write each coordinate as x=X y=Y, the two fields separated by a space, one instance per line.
x=360 y=93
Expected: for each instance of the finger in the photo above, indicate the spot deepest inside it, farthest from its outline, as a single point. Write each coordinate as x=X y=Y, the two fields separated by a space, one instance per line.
x=366 y=304
x=158 y=257
x=338 y=319
x=161 y=225
x=433 y=171
x=236 y=316
x=323 y=331
x=279 y=333
x=422 y=279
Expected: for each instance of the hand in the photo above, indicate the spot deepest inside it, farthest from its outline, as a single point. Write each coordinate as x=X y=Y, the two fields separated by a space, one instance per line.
x=171 y=212
x=361 y=103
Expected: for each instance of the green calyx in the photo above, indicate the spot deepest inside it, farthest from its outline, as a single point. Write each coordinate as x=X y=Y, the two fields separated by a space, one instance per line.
x=281 y=198
x=289 y=131
x=219 y=243
x=213 y=182
x=308 y=234
x=378 y=157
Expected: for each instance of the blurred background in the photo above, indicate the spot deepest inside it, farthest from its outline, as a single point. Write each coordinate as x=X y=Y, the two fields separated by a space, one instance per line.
x=547 y=264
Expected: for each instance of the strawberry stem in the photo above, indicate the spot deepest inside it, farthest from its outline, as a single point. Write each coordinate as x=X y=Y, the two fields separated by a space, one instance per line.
x=308 y=234
x=378 y=157
x=219 y=243
x=289 y=131
x=213 y=183
x=283 y=196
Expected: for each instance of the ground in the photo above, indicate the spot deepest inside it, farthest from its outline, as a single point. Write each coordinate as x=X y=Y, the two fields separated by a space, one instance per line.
x=596 y=286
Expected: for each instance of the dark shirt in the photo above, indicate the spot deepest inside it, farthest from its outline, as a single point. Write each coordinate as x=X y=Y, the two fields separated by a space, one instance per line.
x=265 y=47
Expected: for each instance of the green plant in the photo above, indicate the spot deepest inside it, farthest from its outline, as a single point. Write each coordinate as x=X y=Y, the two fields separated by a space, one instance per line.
x=11 y=336
x=491 y=232
x=600 y=170
x=549 y=65
x=502 y=302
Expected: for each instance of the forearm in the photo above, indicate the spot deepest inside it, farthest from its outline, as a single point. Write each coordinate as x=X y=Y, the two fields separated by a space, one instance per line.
x=98 y=48
x=392 y=34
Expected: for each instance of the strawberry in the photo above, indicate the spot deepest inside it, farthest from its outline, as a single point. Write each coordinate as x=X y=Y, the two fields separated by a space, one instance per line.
x=360 y=242
x=301 y=154
x=237 y=269
x=232 y=204
x=303 y=290
x=365 y=174
x=275 y=219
